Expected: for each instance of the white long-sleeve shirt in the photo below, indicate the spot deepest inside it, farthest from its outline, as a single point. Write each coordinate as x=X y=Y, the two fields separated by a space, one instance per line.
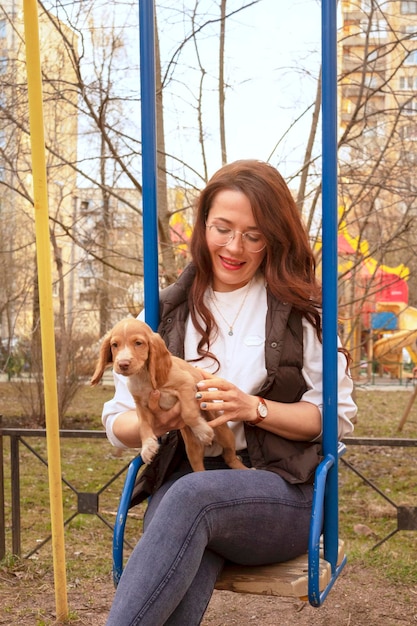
x=242 y=361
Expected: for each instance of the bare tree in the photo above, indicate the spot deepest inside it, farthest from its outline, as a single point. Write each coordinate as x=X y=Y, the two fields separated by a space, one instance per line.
x=377 y=150
x=221 y=81
x=95 y=185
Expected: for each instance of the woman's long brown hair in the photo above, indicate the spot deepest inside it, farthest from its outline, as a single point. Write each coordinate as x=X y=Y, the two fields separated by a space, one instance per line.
x=289 y=264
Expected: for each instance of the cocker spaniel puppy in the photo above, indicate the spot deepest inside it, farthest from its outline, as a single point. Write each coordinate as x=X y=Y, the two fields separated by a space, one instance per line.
x=137 y=352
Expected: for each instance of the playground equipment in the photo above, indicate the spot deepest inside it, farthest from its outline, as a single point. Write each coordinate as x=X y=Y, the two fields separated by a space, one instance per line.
x=37 y=139
x=319 y=570
x=382 y=310
x=399 y=327
x=325 y=511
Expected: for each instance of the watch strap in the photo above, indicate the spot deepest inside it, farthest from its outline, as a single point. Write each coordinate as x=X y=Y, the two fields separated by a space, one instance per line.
x=260 y=418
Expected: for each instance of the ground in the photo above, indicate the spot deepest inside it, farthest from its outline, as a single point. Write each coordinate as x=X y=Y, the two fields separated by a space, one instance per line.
x=362 y=596
x=359 y=598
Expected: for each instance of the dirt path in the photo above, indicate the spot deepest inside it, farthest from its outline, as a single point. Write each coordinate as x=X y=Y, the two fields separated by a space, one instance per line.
x=356 y=600
x=359 y=598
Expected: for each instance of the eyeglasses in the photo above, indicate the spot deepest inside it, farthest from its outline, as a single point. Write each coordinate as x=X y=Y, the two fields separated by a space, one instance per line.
x=221 y=236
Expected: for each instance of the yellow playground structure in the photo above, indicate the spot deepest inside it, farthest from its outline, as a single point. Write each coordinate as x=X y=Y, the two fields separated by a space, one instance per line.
x=377 y=323
x=388 y=350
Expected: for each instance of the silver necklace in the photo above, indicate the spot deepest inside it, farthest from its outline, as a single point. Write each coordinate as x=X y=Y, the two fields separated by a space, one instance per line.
x=230 y=326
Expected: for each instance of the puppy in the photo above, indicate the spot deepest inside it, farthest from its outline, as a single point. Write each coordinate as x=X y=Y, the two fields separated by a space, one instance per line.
x=137 y=352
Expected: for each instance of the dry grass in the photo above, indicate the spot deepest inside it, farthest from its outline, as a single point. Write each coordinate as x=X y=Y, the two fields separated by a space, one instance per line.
x=83 y=412
x=365 y=516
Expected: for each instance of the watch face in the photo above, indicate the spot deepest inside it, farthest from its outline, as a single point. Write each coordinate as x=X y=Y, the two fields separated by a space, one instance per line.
x=262 y=410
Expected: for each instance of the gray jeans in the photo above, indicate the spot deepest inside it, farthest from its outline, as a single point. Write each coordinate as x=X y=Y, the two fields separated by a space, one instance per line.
x=193 y=524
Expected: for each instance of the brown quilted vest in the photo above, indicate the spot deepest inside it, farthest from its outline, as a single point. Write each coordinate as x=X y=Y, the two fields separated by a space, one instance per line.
x=293 y=460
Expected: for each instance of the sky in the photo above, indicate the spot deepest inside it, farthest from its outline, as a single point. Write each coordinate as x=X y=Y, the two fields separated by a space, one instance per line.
x=272 y=63
x=272 y=60
x=281 y=44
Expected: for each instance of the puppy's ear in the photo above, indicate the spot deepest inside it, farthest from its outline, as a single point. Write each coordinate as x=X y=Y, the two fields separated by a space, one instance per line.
x=159 y=362
x=105 y=359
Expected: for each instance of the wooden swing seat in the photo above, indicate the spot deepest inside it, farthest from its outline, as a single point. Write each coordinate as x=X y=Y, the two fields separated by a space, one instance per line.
x=297 y=578
x=289 y=579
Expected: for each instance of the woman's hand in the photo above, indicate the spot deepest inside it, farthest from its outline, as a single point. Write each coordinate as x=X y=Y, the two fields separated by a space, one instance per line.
x=225 y=400
x=164 y=420
x=299 y=421
x=126 y=426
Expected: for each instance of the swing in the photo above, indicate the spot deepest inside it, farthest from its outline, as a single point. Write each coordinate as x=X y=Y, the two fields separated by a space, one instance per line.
x=281 y=579
x=309 y=576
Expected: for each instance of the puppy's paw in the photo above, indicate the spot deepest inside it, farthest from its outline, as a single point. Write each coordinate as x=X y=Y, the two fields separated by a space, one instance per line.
x=203 y=432
x=149 y=449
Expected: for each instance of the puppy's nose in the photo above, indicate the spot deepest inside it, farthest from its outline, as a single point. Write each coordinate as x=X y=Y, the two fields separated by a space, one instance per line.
x=123 y=364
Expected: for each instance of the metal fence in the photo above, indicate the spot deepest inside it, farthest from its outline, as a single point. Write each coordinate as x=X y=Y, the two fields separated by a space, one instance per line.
x=88 y=502
x=406 y=515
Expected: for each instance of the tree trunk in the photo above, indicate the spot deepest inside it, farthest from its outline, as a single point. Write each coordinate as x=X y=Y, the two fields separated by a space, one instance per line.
x=169 y=269
x=221 y=81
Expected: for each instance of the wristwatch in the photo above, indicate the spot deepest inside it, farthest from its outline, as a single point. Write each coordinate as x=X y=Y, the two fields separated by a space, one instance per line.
x=261 y=412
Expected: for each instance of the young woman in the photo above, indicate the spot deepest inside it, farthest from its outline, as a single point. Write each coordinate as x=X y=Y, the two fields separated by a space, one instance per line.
x=246 y=310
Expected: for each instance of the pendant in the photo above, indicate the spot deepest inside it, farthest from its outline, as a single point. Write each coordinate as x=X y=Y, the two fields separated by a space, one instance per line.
x=230 y=333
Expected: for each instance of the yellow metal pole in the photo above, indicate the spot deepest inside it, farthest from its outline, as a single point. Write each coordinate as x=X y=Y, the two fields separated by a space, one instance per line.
x=43 y=256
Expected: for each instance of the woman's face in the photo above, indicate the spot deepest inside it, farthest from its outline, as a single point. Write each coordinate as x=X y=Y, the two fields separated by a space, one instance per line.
x=234 y=264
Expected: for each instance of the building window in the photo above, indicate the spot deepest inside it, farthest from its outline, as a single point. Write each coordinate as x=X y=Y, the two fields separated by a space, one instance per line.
x=408 y=83
x=411 y=59
x=408 y=8
x=408 y=157
x=378 y=28
x=84 y=205
x=371 y=81
x=409 y=132
x=2 y=28
x=87 y=282
x=410 y=31
x=410 y=108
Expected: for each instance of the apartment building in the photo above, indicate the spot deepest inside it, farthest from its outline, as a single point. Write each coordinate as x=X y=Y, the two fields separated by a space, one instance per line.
x=108 y=253
x=377 y=151
x=18 y=275
x=378 y=107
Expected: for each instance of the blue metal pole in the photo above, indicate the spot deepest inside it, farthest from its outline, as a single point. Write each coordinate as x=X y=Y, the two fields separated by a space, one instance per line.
x=149 y=162
x=330 y=330
x=121 y=518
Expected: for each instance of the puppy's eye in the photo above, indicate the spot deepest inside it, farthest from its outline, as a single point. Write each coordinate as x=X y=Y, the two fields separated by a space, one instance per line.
x=113 y=344
x=138 y=342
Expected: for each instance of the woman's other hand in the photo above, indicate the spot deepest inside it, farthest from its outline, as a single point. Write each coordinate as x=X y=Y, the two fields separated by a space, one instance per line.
x=225 y=400
x=165 y=420
x=126 y=425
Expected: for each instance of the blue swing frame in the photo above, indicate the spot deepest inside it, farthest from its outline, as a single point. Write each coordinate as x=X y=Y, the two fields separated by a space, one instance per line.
x=324 y=517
